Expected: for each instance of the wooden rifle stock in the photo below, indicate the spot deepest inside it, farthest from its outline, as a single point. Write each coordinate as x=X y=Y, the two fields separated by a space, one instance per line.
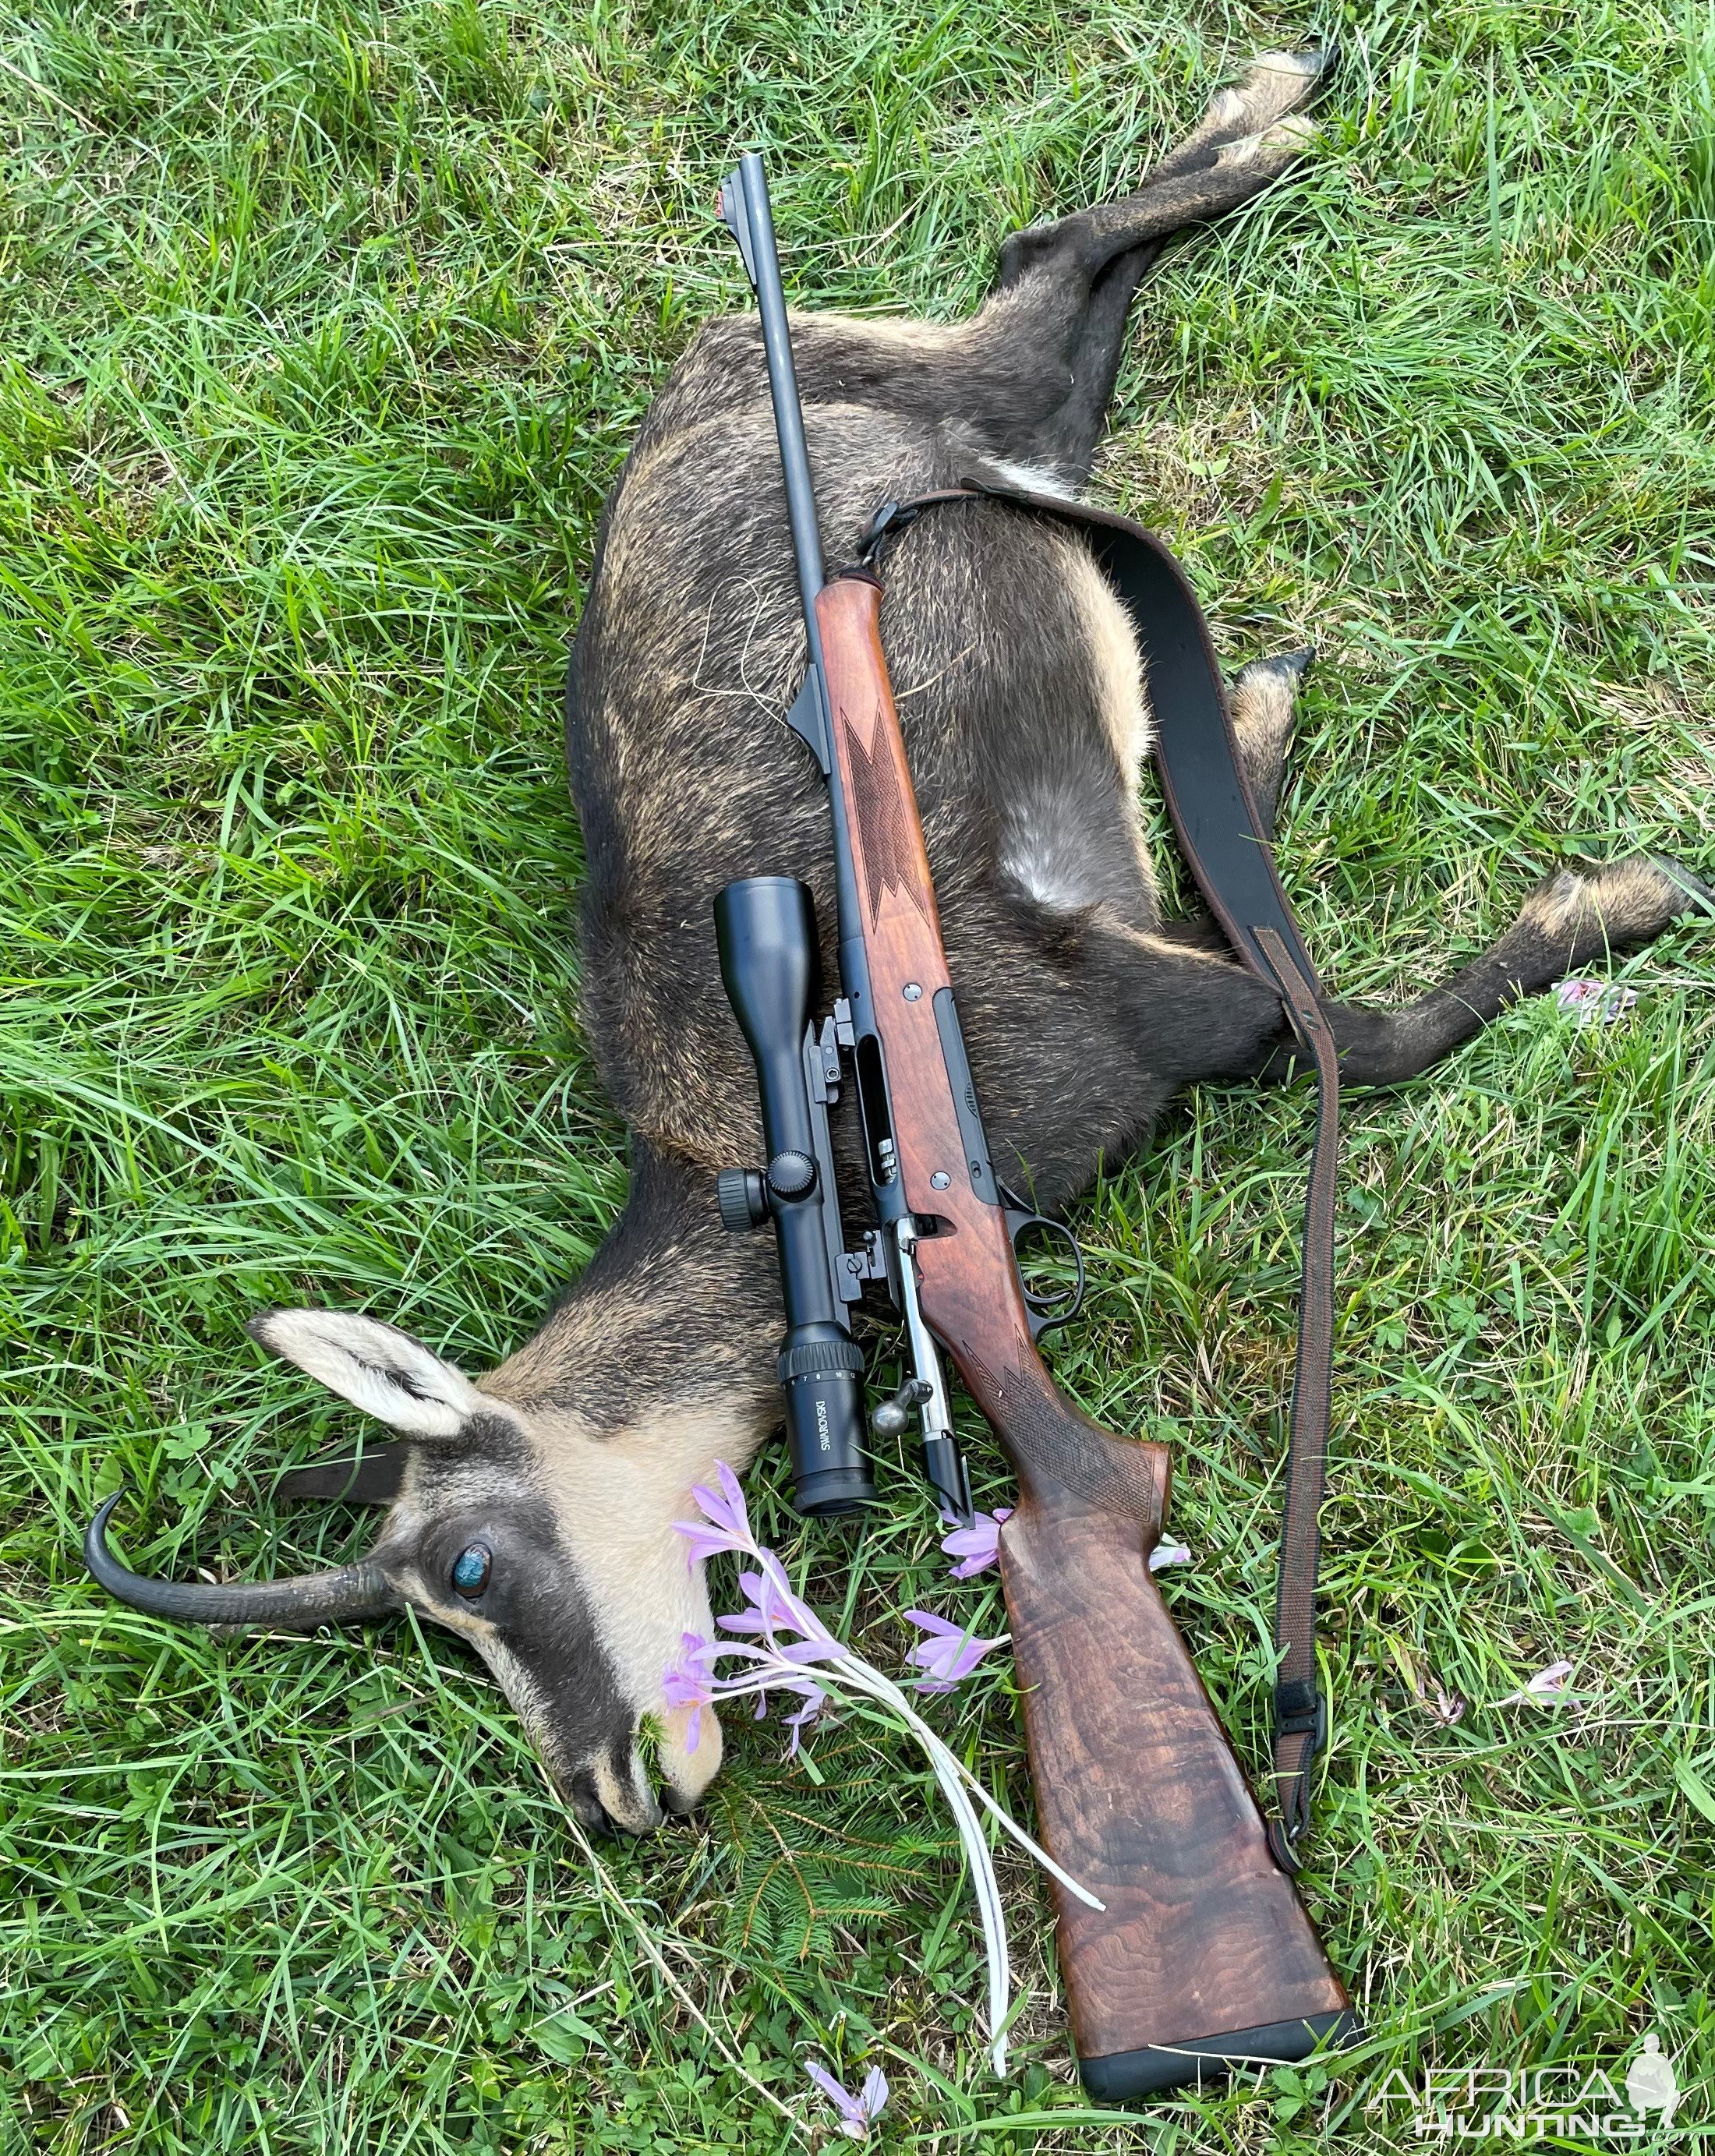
x=1203 y=1954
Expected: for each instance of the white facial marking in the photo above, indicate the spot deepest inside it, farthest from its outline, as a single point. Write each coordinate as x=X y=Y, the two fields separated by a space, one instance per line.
x=614 y=1502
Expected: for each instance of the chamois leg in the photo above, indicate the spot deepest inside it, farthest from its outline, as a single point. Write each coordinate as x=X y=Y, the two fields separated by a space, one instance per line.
x=1231 y=132
x=1028 y=377
x=1246 y=139
x=1205 y=1017
x=1264 y=698
x=1155 y=1014
x=1568 y=921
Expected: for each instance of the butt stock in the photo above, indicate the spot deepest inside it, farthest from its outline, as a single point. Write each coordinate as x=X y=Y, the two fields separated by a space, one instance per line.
x=1202 y=1955
x=1203 y=1951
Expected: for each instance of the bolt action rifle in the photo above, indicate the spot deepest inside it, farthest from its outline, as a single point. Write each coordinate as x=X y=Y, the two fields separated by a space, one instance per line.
x=1201 y=1955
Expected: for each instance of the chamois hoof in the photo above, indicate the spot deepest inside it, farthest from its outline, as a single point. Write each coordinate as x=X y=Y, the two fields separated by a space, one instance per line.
x=1702 y=898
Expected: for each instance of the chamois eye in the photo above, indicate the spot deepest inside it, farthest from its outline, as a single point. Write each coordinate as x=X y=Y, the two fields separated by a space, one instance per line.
x=471 y=1569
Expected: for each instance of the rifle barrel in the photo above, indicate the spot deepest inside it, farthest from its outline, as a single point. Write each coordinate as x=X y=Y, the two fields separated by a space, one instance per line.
x=763 y=261
x=783 y=383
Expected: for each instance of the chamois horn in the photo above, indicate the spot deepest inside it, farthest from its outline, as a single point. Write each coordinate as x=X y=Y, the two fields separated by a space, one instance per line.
x=296 y=1605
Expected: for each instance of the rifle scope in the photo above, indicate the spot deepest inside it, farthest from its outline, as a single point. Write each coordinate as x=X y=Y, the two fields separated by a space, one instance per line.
x=766 y=929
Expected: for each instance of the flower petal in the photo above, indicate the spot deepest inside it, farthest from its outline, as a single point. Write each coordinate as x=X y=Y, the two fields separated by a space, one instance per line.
x=978 y=1545
x=806 y=1651
x=704 y=1541
x=738 y=1517
x=1547 y=1688
x=774 y=1607
x=949 y=1655
x=682 y=1688
x=853 y=2117
x=1166 y=1553
x=797 y=1723
x=713 y=1507
x=793 y=1610
x=688 y=1681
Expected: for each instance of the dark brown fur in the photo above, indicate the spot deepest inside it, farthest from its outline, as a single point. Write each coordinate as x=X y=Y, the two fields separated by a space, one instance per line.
x=1083 y=1010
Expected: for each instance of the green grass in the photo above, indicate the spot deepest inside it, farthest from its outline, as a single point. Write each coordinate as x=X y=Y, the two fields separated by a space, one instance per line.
x=326 y=327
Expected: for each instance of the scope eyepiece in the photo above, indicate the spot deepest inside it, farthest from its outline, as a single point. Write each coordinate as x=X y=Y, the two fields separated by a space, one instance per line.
x=766 y=930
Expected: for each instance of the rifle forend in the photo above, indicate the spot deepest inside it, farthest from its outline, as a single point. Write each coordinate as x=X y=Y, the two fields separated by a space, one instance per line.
x=1203 y=1952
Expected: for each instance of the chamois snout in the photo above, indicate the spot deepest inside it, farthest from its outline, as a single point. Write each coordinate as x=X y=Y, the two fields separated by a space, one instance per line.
x=578 y=1643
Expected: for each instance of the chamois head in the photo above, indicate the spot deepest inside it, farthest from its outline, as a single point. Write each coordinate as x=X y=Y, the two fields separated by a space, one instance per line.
x=549 y=1547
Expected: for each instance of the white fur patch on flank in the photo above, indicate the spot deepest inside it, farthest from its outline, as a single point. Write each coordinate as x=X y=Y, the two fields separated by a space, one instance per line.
x=1116 y=661
x=1050 y=827
x=375 y=1366
x=1034 y=478
x=1043 y=864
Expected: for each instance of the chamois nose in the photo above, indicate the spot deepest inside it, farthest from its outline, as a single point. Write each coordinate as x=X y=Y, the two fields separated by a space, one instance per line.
x=607 y=1803
x=612 y=1793
x=686 y=1769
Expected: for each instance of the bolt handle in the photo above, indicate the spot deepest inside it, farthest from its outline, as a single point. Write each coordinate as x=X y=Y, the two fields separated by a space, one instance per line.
x=892 y=1418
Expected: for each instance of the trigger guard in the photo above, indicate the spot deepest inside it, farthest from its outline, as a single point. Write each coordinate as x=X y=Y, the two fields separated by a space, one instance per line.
x=1045 y=1312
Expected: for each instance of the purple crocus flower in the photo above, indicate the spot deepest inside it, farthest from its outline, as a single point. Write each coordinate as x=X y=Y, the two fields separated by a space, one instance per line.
x=690 y=1683
x=703 y=1542
x=781 y=1646
x=856 y=2113
x=774 y=1607
x=814 y=1700
x=950 y=1653
x=727 y=1525
x=727 y=1509
x=978 y=1546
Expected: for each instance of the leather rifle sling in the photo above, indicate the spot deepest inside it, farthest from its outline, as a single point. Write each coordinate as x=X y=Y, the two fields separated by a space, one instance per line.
x=1232 y=860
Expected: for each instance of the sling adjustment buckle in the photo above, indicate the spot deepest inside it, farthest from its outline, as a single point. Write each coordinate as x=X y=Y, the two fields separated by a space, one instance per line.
x=1302 y=1710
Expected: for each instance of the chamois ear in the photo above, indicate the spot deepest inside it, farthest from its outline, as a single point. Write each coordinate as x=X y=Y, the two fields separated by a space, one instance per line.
x=374 y=1366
